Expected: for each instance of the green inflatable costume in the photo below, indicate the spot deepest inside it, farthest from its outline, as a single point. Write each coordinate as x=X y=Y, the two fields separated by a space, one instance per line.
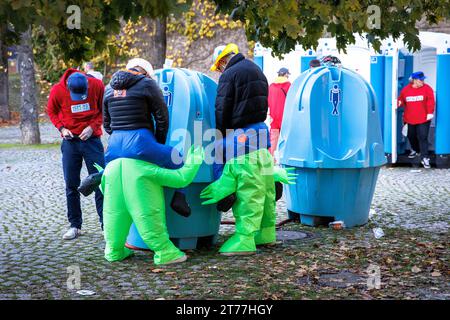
x=251 y=177
x=133 y=192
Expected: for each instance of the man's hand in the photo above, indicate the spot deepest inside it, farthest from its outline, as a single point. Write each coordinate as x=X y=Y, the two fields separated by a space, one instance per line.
x=429 y=116
x=66 y=133
x=86 y=133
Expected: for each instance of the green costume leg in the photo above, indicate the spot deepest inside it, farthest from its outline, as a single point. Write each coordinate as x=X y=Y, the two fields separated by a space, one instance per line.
x=248 y=209
x=116 y=219
x=267 y=233
x=149 y=216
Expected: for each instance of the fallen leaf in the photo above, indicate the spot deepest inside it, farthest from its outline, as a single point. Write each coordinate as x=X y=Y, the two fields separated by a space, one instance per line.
x=157 y=270
x=415 y=269
x=436 y=274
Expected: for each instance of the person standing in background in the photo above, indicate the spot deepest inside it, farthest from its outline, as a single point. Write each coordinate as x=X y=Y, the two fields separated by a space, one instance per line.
x=314 y=63
x=277 y=98
x=90 y=72
x=418 y=100
x=75 y=109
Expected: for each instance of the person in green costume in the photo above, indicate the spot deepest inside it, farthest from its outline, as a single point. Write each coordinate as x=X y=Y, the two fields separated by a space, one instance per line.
x=133 y=192
x=251 y=176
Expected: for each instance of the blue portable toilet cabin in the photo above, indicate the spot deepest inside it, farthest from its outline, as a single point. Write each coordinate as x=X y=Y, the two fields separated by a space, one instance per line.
x=390 y=72
x=331 y=135
x=441 y=121
x=190 y=98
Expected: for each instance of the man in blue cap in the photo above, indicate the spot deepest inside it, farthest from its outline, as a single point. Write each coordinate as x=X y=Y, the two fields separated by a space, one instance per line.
x=418 y=100
x=75 y=109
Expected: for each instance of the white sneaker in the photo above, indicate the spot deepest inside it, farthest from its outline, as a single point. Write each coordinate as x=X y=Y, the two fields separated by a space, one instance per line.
x=72 y=233
x=412 y=155
x=181 y=259
x=426 y=163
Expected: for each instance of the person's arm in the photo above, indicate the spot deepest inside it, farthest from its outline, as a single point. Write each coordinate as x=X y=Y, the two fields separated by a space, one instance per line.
x=97 y=119
x=430 y=103
x=53 y=110
x=224 y=105
x=401 y=102
x=159 y=111
x=106 y=115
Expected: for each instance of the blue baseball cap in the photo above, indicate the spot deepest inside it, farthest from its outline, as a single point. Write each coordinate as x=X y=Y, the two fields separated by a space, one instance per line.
x=283 y=71
x=78 y=86
x=418 y=75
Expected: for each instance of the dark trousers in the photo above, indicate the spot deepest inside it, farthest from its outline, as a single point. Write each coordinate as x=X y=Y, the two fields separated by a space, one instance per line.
x=418 y=138
x=73 y=153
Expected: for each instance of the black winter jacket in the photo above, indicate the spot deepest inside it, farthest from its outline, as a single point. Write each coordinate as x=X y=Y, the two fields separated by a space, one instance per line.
x=241 y=95
x=133 y=101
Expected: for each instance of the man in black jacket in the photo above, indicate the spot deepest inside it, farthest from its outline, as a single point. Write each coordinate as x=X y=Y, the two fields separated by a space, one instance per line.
x=242 y=91
x=241 y=100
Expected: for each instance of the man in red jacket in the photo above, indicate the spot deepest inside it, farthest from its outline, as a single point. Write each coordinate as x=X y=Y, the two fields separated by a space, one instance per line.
x=75 y=109
x=418 y=100
x=277 y=97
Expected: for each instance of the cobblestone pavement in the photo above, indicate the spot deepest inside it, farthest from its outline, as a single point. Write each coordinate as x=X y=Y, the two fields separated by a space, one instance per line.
x=34 y=259
x=12 y=134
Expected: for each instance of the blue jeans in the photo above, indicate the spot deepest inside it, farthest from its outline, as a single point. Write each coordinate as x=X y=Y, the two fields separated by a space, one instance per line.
x=232 y=146
x=141 y=144
x=73 y=153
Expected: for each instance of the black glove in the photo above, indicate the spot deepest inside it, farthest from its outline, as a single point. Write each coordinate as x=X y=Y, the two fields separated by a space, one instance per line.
x=180 y=205
x=90 y=183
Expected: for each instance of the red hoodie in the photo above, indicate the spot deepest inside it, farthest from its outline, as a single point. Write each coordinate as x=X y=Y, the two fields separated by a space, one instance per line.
x=59 y=106
x=277 y=98
x=418 y=102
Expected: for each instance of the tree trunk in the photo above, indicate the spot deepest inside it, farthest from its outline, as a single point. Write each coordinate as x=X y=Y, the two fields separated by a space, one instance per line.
x=4 y=86
x=160 y=42
x=29 y=107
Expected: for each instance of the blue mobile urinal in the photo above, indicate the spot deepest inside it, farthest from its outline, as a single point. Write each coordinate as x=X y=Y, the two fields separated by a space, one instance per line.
x=190 y=98
x=331 y=135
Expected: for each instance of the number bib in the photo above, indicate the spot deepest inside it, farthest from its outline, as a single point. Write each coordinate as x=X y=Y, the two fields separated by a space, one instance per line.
x=76 y=108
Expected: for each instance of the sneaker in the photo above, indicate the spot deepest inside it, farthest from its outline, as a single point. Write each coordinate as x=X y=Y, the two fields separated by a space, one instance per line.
x=426 y=163
x=72 y=233
x=238 y=253
x=278 y=190
x=412 y=155
x=226 y=203
x=180 y=205
x=90 y=183
x=270 y=244
x=179 y=260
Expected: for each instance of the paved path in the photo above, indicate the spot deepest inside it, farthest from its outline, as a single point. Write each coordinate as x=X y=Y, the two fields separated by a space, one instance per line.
x=34 y=259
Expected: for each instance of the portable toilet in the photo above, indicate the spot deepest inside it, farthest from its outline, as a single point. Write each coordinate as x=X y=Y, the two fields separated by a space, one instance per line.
x=296 y=61
x=356 y=57
x=441 y=42
x=190 y=98
x=332 y=138
x=390 y=71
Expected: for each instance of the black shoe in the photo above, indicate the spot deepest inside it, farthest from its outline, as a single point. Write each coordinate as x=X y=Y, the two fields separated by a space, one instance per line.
x=278 y=190
x=90 y=183
x=226 y=203
x=180 y=205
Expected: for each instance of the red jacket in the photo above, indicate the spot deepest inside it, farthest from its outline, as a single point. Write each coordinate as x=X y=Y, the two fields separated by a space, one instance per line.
x=418 y=102
x=277 y=98
x=59 y=106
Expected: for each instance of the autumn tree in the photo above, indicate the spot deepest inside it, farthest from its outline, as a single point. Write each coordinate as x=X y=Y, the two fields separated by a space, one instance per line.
x=98 y=19
x=281 y=24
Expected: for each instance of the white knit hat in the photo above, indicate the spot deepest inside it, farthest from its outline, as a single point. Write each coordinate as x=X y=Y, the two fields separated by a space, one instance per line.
x=144 y=64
